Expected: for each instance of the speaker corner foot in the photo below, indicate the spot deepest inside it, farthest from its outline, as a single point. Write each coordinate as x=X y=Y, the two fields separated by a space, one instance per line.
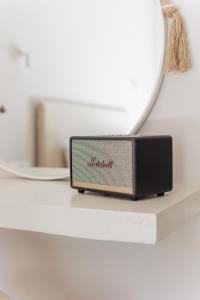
x=81 y=191
x=135 y=198
x=160 y=194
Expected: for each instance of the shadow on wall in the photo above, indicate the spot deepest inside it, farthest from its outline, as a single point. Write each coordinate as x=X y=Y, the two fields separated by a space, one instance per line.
x=183 y=131
x=36 y=266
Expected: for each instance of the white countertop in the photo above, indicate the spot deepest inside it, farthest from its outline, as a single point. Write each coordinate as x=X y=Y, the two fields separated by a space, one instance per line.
x=54 y=208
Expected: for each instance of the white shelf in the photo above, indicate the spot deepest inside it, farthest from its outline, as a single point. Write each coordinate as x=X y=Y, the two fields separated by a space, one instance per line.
x=54 y=208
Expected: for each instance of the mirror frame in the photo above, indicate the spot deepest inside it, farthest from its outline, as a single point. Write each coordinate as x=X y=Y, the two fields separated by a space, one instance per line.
x=158 y=81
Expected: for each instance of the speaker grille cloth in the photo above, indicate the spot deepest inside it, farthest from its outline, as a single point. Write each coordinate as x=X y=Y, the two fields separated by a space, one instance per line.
x=118 y=151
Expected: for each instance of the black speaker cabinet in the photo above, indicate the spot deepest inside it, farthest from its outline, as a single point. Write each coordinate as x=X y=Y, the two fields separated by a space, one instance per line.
x=127 y=166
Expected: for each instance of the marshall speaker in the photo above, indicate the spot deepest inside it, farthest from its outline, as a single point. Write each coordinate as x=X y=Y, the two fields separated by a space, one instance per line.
x=128 y=166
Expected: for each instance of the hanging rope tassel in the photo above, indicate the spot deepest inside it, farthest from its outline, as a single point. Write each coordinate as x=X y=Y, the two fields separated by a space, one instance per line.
x=178 y=57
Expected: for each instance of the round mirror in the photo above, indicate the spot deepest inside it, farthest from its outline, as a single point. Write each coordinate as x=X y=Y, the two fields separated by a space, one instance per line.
x=81 y=67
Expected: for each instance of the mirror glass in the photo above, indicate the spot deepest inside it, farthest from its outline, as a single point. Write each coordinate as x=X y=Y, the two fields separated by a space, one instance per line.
x=74 y=67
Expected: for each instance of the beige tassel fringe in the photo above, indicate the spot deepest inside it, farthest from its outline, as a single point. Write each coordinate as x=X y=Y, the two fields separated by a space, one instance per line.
x=177 y=57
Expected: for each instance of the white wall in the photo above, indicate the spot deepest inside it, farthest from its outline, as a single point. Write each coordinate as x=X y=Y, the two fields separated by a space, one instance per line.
x=88 y=51
x=58 y=268
x=42 y=267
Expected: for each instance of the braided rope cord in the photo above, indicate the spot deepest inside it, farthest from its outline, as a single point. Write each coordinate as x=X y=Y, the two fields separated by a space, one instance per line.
x=164 y=2
x=177 y=56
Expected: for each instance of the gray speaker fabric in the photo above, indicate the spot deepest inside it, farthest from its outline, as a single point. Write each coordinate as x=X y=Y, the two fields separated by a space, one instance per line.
x=104 y=151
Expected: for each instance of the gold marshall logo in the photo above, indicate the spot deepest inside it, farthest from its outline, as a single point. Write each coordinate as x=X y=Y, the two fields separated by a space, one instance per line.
x=94 y=163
